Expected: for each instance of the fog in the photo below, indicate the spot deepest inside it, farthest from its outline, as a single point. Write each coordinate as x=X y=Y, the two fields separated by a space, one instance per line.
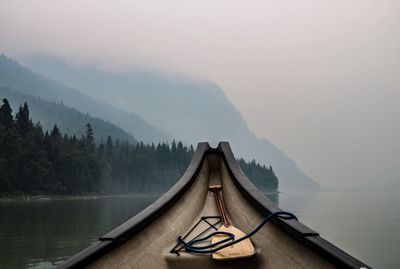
x=319 y=79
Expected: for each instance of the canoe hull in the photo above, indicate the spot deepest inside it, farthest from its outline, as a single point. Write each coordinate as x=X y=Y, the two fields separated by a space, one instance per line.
x=145 y=240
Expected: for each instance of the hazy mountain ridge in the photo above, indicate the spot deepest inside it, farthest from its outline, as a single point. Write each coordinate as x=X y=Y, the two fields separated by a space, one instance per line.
x=69 y=120
x=21 y=79
x=191 y=110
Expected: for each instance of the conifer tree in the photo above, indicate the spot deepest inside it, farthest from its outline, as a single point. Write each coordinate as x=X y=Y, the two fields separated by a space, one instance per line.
x=109 y=148
x=22 y=120
x=55 y=133
x=89 y=134
x=6 y=117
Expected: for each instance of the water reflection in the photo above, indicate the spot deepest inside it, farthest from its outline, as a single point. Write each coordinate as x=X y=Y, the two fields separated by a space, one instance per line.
x=41 y=234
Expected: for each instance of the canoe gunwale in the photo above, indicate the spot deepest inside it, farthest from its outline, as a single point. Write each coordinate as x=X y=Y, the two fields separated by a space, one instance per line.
x=294 y=228
x=134 y=225
x=88 y=255
x=264 y=205
x=255 y=197
x=149 y=214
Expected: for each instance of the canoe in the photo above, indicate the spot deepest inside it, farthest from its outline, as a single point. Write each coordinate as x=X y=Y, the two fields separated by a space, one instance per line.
x=149 y=239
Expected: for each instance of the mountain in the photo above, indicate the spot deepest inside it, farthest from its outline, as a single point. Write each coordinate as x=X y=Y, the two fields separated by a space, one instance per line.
x=69 y=120
x=191 y=110
x=23 y=80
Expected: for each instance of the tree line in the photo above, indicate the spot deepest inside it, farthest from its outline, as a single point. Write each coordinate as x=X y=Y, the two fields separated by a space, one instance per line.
x=33 y=161
x=262 y=176
x=69 y=120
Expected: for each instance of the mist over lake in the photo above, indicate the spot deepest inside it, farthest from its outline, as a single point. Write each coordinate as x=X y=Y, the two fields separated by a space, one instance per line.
x=107 y=106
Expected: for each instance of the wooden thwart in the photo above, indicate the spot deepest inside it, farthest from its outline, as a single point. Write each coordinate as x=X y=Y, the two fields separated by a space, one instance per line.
x=241 y=249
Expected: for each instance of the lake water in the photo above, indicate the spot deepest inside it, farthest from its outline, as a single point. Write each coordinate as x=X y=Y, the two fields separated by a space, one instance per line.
x=363 y=223
x=41 y=234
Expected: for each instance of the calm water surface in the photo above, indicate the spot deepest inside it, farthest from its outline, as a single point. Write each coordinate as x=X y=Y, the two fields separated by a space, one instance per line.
x=364 y=223
x=41 y=234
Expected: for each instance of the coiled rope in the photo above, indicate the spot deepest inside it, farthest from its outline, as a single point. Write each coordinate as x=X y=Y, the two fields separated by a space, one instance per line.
x=211 y=248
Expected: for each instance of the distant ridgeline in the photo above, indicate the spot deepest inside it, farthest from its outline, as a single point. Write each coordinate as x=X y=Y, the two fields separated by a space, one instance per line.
x=37 y=162
x=69 y=120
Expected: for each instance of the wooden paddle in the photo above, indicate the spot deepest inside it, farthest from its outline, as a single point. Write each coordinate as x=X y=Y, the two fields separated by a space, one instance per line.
x=241 y=249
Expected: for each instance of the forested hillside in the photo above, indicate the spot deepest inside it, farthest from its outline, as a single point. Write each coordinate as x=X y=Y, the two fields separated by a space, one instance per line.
x=69 y=120
x=189 y=109
x=37 y=162
x=23 y=80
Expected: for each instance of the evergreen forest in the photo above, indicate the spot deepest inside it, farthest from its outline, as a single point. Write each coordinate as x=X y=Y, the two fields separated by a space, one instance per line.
x=69 y=120
x=35 y=162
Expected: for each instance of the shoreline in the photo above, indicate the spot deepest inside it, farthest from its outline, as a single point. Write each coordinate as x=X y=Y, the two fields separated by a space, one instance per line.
x=29 y=198
x=46 y=197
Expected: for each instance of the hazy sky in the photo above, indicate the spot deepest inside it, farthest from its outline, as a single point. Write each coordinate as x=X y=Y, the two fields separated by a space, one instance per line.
x=320 y=79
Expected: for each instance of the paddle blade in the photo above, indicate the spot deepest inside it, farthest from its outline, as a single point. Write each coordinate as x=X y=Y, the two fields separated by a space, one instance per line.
x=239 y=250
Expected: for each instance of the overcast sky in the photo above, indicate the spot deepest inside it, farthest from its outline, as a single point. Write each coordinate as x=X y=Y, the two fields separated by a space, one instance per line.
x=320 y=79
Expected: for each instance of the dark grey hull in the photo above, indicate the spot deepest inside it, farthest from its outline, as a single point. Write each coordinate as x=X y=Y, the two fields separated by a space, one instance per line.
x=146 y=239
